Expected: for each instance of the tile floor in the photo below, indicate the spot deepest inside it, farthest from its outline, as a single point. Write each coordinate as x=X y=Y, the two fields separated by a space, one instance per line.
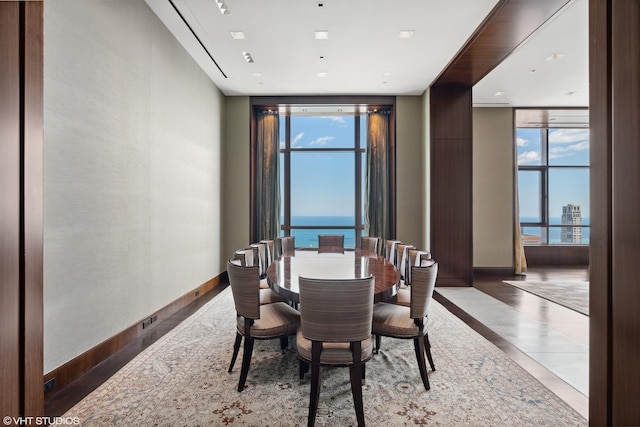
x=550 y=341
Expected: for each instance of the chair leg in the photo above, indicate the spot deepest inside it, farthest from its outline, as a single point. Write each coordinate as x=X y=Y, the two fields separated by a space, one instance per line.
x=314 y=394
x=303 y=368
x=284 y=343
x=246 y=361
x=356 y=390
x=236 y=348
x=418 y=344
x=376 y=349
x=427 y=347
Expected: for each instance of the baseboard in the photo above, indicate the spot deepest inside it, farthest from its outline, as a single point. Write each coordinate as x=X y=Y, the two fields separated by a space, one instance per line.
x=493 y=271
x=65 y=374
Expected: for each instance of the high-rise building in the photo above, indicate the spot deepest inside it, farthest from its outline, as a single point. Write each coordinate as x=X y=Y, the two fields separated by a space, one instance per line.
x=571 y=215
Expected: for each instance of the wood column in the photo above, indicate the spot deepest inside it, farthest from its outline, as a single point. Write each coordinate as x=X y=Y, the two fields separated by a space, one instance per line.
x=21 y=211
x=614 y=92
x=451 y=185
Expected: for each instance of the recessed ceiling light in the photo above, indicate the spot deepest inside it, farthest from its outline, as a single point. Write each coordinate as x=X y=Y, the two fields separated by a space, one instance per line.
x=322 y=74
x=406 y=34
x=237 y=35
x=321 y=35
x=500 y=93
x=247 y=57
x=554 y=57
x=387 y=74
x=255 y=74
x=223 y=7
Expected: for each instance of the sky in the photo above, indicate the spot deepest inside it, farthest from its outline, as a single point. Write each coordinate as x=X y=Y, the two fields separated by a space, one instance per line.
x=323 y=182
x=567 y=147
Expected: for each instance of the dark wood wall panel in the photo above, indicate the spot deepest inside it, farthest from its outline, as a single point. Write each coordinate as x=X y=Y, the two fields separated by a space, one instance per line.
x=9 y=210
x=21 y=211
x=451 y=187
x=614 y=97
x=625 y=327
x=33 y=215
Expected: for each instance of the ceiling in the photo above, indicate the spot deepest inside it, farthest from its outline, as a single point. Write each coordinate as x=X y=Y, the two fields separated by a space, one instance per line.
x=364 y=53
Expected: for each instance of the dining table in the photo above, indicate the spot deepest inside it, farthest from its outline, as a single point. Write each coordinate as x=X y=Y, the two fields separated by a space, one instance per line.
x=336 y=263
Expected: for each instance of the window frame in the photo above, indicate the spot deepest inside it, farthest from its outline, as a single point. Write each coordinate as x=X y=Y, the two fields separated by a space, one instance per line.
x=283 y=104
x=544 y=169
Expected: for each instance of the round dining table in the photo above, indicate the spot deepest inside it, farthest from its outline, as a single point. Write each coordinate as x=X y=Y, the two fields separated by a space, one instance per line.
x=283 y=273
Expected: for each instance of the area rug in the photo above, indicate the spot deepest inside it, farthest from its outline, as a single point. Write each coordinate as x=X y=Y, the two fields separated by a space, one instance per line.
x=182 y=380
x=573 y=295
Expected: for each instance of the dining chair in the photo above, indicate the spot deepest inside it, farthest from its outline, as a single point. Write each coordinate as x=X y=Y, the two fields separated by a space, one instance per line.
x=391 y=250
x=402 y=260
x=335 y=330
x=369 y=243
x=247 y=258
x=286 y=244
x=256 y=321
x=270 y=251
x=397 y=321
x=416 y=257
x=330 y=242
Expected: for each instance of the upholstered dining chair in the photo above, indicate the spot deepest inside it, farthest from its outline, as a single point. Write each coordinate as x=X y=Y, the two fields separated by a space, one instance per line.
x=330 y=242
x=256 y=321
x=271 y=246
x=335 y=330
x=416 y=257
x=397 y=321
x=286 y=244
x=369 y=243
x=391 y=250
x=402 y=260
x=247 y=258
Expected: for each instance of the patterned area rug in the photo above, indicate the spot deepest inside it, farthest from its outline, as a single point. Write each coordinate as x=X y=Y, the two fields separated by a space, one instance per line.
x=573 y=295
x=182 y=380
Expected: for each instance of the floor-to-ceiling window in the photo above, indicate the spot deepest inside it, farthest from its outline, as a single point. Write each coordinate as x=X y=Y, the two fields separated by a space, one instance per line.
x=323 y=166
x=553 y=179
x=322 y=152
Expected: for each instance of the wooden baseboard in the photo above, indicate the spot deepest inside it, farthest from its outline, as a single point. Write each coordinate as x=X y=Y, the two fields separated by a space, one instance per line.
x=74 y=368
x=493 y=271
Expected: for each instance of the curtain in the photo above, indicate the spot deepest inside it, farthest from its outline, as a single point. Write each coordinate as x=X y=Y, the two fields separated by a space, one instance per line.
x=377 y=181
x=520 y=259
x=267 y=177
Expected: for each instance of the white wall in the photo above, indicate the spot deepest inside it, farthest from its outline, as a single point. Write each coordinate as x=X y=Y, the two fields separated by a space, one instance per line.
x=493 y=190
x=132 y=185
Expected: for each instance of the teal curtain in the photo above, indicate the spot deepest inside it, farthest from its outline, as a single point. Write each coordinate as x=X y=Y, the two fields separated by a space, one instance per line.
x=267 y=176
x=378 y=180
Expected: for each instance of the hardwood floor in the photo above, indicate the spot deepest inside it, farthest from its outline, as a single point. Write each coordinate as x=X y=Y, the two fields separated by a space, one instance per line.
x=569 y=322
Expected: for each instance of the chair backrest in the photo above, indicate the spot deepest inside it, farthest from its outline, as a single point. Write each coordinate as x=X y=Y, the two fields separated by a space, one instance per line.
x=415 y=257
x=336 y=310
x=270 y=250
x=286 y=244
x=369 y=243
x=261 y=252
x=330 y=242
x=391 y=250
x=246 y=256
x=402 y=258
x=424 y=280
x=245 y=286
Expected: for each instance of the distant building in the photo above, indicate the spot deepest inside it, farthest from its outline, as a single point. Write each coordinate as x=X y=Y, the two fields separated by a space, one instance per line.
x=571 y=215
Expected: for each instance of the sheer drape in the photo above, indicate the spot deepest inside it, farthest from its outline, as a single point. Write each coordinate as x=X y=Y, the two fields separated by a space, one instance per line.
x=520 y=259
x=267 y=176
x=377 y=181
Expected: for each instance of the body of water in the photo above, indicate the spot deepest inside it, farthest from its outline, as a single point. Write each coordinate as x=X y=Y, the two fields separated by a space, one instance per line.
x=308 y=238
